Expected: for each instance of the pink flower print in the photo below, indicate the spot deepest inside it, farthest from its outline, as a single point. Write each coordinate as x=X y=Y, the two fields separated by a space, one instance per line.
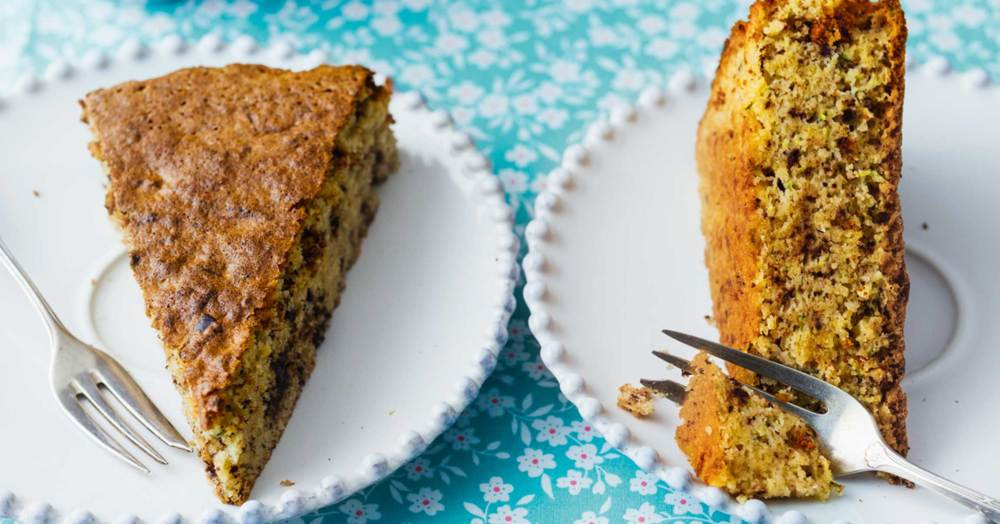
x=493 y=403
x=521 y=156
x=574 y=481
x=536 y=369
x=358 y=513
x=426 y=500
x=585 y=431
x=419 y=468
x=645 y=514
x=643 y=483
x=517 y=329
x=551 y=430
x=534 y=462
x=682 y=503
x=513 y=354
x=585 y=456
x=496 y=490
x=589 y=517
x=461 y=439
x=552 y=117
x=508 y=515
x=513 y=181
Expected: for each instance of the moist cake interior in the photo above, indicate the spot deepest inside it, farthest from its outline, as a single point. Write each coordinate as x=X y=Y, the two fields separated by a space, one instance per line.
x=818 y=89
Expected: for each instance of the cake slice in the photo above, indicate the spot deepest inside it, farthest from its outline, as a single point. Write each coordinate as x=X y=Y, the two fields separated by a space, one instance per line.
x=244 y=193
x=799 y=158
x=737 y=441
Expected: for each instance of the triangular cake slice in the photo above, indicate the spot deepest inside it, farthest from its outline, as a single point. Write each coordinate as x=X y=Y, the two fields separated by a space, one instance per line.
x=244 y=193
x=738 y=441
x=799 y=153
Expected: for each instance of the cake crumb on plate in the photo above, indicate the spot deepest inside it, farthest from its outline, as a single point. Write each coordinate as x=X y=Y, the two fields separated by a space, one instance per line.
x=636 y=400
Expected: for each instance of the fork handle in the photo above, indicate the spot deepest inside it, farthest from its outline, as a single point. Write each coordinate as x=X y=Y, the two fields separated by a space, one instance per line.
x=52 y=321
x=881 y=458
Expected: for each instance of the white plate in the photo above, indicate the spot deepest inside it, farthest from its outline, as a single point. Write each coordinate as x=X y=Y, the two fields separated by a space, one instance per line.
x=421 y=320
x=616 y=255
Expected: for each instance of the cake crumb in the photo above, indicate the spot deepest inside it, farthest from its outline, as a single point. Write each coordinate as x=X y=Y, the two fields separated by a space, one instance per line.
x=287 y=483
x=709 y=320
x=35 y=193
x=392 y=412
x=93 y=282
x=636 y=400
x=924 y=226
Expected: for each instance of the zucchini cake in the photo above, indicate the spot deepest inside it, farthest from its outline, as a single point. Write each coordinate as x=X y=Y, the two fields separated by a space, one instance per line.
x=244 y=193
x=738 y=441
x=799 y=159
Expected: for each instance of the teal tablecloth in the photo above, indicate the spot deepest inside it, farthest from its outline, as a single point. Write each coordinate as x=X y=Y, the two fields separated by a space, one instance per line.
x=524 y=78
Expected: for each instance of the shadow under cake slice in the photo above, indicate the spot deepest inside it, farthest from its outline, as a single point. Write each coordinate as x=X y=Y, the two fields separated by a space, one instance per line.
x=244 y=193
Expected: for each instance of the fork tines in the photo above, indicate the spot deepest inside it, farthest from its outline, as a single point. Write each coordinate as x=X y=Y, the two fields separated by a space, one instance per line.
x=680 y=363
x=93 y=377
x=674 y=391
x=791 y=377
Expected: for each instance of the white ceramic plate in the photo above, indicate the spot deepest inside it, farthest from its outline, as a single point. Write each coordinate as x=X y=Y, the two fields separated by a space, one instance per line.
x=417 y=331
x=616 y=255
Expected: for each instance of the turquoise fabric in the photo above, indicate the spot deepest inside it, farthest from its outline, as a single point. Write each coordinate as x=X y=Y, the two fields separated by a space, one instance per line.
x=524 y=78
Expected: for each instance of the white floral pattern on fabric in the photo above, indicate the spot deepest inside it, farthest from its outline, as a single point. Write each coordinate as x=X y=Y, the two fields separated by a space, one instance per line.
x=583 y=430
x=585 y=456
x=574 y=482
x=643 y=483
x=644 y=514
x=508 y=515
x=682 y=503
x=524 y=78
x=534 y=462
x=419 y=468
x=551 y=430
x=493 y=403
x=427 y=501
x=496 y=490
x=589 y=517
x=359 y=513
x=461 y=439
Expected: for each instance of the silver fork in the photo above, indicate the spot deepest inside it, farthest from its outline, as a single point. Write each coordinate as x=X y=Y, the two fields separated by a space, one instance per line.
x=79 y=372
x=847 y=429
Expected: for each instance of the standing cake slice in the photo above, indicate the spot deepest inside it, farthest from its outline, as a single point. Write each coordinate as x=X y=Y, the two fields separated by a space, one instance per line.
x=799 y=157
x=244 y=193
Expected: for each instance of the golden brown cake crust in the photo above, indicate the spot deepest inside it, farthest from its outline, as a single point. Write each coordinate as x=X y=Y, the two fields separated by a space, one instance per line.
x=726 y=142
x=236 y=151
x=702 y=409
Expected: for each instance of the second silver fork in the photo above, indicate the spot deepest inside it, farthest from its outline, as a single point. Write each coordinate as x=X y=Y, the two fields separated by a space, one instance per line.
x=80 y=372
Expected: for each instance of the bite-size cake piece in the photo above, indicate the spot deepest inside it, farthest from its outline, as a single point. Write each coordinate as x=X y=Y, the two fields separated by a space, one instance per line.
x=799 y=157
x=244 y=193
x=737 y=441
